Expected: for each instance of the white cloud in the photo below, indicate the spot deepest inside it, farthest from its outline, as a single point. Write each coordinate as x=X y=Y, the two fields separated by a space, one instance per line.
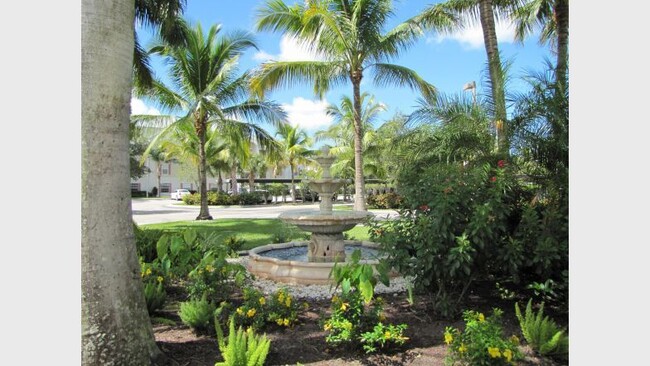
x=472 y=36
x=139 y=107
x=290 y=50
x=308 y=114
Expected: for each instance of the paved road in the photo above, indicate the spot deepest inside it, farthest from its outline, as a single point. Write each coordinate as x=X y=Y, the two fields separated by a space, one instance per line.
x=155 y=210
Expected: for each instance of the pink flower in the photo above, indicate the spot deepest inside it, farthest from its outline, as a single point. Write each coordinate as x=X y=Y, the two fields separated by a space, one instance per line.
x=501 y=163
x=493 y=179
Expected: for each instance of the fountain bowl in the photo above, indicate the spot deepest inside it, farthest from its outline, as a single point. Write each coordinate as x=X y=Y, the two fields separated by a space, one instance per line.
x=297 y=272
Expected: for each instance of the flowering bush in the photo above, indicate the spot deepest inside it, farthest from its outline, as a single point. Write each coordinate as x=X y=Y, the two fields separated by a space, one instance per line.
x=382 y=336
x=258 y=310
x=482 y=342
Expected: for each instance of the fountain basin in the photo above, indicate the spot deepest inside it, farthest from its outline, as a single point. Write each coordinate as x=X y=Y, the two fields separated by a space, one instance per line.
x=295 y=271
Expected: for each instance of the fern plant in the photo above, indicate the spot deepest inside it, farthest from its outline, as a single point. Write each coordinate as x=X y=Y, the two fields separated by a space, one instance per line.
x=541 y=332
x=242 y=348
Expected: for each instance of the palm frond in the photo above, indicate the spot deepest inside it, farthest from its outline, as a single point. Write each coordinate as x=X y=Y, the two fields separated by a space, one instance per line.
x=390 y=74
x=323 y=75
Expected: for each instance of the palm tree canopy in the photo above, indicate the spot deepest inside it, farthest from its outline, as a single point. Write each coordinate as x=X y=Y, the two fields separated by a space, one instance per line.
x=349 y=35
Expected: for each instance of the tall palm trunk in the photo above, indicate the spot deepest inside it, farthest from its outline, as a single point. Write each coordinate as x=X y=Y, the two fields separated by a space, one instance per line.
x=219 y=181
x=204 y=213
x=115 y=325
x=159 y=172
x=359 y=183
x=496 y=72
x=251 y=181
x=233 y=178
x=561 y=12
x=293 y=185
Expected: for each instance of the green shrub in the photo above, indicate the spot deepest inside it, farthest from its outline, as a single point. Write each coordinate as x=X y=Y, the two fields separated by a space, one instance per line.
x=542 y=333
x=215 y=277
x=253 y=312
x=242 y=348
x=155 y=295
x=382 y=336
x=482 y=342
x=198 y=314
x=282 y=308
x=234 y=243
x=385 y=200
x=145 y=242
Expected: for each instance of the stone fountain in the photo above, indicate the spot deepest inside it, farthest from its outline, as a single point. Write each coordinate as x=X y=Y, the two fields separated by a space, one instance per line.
x=327 y=244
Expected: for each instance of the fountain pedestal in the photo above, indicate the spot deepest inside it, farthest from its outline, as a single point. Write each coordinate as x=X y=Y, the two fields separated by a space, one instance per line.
x=327 y=227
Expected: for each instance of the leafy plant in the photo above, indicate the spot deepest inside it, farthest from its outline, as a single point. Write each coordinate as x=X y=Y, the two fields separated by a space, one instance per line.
x=234 y=243
x=242 y=348
x=282 y=309
x=481 y=343
x=155 y=296
x=253 y=312
x=198 y=314
x=383 y=335
x=541 y=332
x=361 y=276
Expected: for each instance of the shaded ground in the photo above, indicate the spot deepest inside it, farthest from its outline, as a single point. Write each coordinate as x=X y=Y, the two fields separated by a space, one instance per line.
x=305 y=343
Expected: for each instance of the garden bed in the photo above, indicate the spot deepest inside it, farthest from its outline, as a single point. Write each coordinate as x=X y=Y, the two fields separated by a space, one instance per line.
x=305 y=342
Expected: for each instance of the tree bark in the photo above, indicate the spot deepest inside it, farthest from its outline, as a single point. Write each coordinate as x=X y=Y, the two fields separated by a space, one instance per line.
x=496 y=72
x=200 y=126
x=293 y=186
x=359 y=183
x=233 y=178
x=115 y=325
x=562 y=23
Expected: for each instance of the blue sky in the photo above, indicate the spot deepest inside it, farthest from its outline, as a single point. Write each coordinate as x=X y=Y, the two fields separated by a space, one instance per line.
x=447 y=62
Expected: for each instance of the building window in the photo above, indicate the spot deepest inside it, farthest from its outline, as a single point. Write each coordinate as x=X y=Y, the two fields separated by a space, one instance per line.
x=186 y=186
x=135 y=187
x=165 y=187
x=165 y=169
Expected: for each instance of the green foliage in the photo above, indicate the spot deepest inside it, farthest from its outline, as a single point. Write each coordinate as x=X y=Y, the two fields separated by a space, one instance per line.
x=351 y=317
x=234 y=243
x=382 y=336
x=289 y=232
x=155 y=296
x=215 y=277
x=242 y=348
x=258 y=310
x=542 y=333
x=390 y=200
x=482 y=342
x=360 y=276
x=145 y=242
x=198 y=314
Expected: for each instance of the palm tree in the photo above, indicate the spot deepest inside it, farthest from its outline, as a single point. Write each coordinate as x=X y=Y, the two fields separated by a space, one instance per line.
x=295 y=150
x=115 y=325
x=159 y=157
x=162 y=16
x=349 y=35
x=255 y=165
x=553 y=17
x=207 y=91
x=484 y=11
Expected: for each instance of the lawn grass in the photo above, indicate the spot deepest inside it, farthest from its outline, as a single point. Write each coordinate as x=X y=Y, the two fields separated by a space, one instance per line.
x=256 y=232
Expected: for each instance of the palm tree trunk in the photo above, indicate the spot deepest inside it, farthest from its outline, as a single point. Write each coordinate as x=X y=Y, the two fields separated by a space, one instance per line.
x=204 y=213
x=219 y=182
x=233 y=178
x=159 y=177
x=115 y=325
x=496 y=72
x=293 y=186
x=251 y=181
x=562 y=22
x=359 y=183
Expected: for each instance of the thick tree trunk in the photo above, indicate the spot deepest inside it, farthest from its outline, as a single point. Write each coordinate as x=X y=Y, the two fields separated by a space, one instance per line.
x=115 y=325
x=496 y=73
x=562 y=22
x=233 y=179
x=159 y=177
x=200 y=126
x=359 y=183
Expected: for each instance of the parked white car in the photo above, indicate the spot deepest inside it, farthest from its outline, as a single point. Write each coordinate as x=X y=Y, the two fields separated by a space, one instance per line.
x=179 y=193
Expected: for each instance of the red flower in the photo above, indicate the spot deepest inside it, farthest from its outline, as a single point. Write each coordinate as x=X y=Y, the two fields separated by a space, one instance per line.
x=424 y=208
x=493 y=179
x=501 y=163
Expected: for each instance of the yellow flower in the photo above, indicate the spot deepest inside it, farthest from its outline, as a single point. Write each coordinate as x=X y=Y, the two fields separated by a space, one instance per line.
x=448 y=338
x=286 y=322
x=279 y=321
x=240 y=311
x=262 y=300
x=507 y=354
x=148 y=272
x=160 y=279
x=200 y=271
x=288 y=303
x=328 y=326
x=462 y=348
x=335 y=298
x=251 y=313
x=281 y=297
x=387 y=335
x=481 y=317
x=494 y=352
x=344 y=306
x=347 y=325
x=209 y=268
